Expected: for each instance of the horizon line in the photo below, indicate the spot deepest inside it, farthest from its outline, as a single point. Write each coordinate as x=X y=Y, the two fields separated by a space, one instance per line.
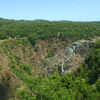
x=49 y=20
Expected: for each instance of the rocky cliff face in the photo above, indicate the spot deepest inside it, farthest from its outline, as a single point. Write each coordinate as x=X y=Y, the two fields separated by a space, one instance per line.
x=67 y=60
x=64 y=60
x=75 y=55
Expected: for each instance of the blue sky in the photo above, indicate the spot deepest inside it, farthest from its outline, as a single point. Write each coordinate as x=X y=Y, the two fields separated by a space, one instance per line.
x=74 y=10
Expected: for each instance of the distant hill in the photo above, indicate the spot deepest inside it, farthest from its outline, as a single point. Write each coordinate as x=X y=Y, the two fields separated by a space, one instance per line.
x=43 y=29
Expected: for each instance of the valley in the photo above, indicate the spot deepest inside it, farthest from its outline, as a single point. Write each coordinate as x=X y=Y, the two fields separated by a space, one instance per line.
x=49 y=60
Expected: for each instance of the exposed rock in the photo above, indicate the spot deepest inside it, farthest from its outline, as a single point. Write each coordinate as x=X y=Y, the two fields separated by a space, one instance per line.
x=51 y=65
x=75 y=55
x=67 y=60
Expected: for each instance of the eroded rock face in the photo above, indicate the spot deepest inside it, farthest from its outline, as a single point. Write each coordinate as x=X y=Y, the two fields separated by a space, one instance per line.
x=75 y=55
x=51 y=65
x=67 y=60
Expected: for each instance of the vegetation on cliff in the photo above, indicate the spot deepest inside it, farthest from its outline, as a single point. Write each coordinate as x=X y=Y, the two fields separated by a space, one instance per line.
x=82 y=84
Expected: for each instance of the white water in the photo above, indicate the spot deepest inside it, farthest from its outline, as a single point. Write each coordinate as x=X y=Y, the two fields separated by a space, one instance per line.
x=63 y=64
x=67 y=59
x=73 y=50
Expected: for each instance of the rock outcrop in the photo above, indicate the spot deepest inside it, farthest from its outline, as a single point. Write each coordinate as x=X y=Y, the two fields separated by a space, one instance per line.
x=75 y=55
x=67 y=60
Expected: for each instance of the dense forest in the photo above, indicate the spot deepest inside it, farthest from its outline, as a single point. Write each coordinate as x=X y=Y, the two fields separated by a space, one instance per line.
x=83 y=84
x=41 y=29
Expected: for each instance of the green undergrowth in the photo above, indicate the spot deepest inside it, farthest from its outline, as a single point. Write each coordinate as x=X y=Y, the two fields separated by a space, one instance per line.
x=84 y=84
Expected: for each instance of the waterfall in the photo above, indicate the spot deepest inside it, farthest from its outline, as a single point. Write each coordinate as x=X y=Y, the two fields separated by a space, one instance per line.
x=65 y=61
x=63 y=66
x=67 y=58
x=73 y=50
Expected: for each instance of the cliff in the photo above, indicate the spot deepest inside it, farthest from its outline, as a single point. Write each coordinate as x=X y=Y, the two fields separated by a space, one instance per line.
x=69 y=59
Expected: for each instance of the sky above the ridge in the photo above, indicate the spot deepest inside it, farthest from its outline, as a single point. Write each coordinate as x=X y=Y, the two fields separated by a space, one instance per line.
x=73 y=10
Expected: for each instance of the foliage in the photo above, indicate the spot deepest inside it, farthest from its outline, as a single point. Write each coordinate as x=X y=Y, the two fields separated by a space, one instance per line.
x=34 y=30
x=49 y=55
x=92 y=65
x=24 y=95
x=83 y=84
x=27 y=69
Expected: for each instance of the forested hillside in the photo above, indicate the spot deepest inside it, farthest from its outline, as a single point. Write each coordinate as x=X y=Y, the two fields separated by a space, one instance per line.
x=41 y=29
x=23 y=47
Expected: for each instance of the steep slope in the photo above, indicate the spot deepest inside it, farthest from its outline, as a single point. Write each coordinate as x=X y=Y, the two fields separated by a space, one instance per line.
x=68 y=59
x=20 y=59
x=82 y=84
x=20 y=51
x=45 y=57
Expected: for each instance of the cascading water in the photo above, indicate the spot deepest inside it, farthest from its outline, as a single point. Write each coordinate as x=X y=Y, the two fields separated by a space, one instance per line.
x=71 y=51
x=64 y=63
x=63 y=66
